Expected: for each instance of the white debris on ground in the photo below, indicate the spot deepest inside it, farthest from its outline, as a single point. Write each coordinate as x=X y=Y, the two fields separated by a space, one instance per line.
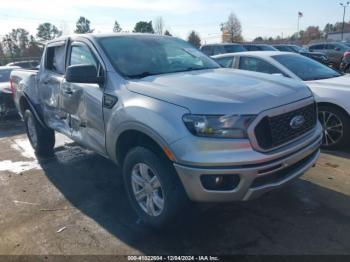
x=24 y=148
x=18 y=166
x=23 y=145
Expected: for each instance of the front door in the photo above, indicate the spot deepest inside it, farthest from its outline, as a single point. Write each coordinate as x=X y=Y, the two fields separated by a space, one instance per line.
x=82 y=103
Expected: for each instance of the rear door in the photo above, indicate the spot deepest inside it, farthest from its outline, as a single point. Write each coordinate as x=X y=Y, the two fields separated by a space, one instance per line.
x=50 y=79
x=82 y=103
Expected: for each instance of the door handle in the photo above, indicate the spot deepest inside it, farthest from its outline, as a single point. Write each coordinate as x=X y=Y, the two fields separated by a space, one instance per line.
x=68 y=91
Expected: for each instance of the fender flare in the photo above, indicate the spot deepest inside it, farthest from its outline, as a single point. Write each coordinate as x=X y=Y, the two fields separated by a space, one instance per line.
x=134 y=126
x=34 y=111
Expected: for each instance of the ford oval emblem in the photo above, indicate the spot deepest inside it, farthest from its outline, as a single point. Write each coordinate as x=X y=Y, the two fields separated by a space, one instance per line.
x=297 y=121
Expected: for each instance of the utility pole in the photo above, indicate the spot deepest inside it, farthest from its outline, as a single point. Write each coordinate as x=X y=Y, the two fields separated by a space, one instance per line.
x=300 y=15
x=344 y=5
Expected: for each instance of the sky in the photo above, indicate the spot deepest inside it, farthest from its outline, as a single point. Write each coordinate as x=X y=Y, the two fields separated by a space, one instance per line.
x=258 y=17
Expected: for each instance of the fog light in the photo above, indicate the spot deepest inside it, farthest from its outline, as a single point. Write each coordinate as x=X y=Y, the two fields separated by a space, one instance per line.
x=220 y=182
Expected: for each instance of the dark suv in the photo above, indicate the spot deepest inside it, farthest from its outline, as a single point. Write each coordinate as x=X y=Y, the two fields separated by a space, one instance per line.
x=334 y=51
x=259 y=47
x=217 y=49
x=319 y=57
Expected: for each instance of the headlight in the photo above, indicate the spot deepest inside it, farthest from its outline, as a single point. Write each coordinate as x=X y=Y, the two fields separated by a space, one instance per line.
x=227 y=126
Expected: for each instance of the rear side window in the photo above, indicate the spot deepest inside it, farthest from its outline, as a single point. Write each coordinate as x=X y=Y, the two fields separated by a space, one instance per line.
x=257 y=65
x=218 y=50
x=225 y=61
x=234 y=48
x=55 y=59
x=317 y=47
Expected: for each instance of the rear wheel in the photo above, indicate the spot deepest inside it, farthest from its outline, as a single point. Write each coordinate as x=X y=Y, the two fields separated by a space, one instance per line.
x=336 y=127
x=154 y=190
x=42 y=139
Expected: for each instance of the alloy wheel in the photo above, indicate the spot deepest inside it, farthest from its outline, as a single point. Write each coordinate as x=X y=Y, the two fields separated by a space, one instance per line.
x=333 y=128
x=147 y=189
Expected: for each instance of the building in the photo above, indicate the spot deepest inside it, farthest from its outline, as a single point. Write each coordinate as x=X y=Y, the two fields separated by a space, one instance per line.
x=337 y=36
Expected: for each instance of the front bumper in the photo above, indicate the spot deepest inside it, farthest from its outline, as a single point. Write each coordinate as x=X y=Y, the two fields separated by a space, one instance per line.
x=255 y=179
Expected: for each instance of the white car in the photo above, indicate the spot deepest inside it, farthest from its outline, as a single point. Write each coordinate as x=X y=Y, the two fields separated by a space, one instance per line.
x=331 y=88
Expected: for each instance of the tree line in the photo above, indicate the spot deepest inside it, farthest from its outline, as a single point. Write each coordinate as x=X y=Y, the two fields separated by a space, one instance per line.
x=311 y=33
x=19 y=44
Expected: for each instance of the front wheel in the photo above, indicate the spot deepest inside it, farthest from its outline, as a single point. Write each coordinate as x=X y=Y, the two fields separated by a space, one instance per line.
x=42 y=139
x=154 y=190
x=336 y=127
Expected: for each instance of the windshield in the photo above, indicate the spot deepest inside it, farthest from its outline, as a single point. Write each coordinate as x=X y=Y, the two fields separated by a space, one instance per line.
x=305 y=68
x=141 y=56
x=296 y=48
x=260 y=48
x=5 y=75
x=234 y=48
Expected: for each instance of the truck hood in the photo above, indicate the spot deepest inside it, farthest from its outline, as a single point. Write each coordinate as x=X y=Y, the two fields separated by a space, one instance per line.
x=222 y=91
x=341 y=82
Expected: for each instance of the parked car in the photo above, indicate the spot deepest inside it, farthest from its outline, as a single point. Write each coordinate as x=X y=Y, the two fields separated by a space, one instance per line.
x=216 y=49
x=259 y=47
x=25 y=64
x=7 y=106
x=320 y=57
x=345 y=63
x=180 y=127
x=331 y=89
x=334 y=51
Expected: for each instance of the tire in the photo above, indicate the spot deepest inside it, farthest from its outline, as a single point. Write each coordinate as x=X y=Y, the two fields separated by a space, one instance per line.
x=42 y=139
x=336 y=126
x=170 y=189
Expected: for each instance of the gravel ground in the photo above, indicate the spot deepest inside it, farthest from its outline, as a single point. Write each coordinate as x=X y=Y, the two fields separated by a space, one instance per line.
x=74 y=203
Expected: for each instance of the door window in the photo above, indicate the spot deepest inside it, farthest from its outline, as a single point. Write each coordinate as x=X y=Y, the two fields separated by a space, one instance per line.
x=55 y=59
x=225 y=61
x=81 y=55
x=317 y=47
x=218 y=50
x=257 y=65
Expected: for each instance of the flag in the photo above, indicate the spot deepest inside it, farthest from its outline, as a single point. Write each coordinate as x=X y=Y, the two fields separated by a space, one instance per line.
x=300 y=14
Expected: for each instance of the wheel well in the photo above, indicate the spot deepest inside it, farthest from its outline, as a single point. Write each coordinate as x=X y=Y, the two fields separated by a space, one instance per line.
x=333 y=105
x=23 y=105
x=132 y=138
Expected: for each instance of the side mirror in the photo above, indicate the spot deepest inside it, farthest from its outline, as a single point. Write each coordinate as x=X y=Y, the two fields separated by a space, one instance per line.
x=337 y=49
x=83 y=74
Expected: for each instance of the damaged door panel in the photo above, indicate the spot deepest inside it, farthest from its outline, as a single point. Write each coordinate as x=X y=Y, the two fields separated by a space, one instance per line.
x=50 y=81
x=83 y=102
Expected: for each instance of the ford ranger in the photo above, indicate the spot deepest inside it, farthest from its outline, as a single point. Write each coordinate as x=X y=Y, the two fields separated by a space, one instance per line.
x=182 y=128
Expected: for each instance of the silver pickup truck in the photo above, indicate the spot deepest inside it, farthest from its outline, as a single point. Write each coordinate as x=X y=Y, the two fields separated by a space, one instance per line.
x=182 y=128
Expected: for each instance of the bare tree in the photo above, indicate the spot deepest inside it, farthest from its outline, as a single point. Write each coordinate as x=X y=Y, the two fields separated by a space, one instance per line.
x=159 y=25
x=194 y=39
x=116 y=27
x=231 y=29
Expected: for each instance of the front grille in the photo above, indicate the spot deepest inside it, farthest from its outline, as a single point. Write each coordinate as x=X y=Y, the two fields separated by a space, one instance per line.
x=274 y=131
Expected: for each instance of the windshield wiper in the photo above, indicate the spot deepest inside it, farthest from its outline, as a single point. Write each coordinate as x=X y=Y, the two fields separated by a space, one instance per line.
x=142 y=75
x=145 y=74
